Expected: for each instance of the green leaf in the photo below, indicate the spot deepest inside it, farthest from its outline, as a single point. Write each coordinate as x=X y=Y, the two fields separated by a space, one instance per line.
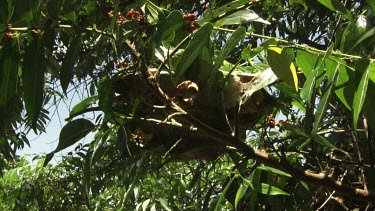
x=193 y=49
x=33 y=79
x=233 y=5
x=222 y=195
x=240 y=194
x=71 y=10
x=308 y=88
x=276 y=171
x=66 y=74
x=72 y=132
x=53 y=8
x=366 y=35
x=371 y=4
x=360 y=94
x=9 y=71
x=233 y=40
x=240 y=17
x=105 y=94
x=282 y=66
x=6 y=11
x=83 y=105
x=266 y=189
x=345 y=85
x=295 y=129
x=87 y=175
x=26 y=11
x=323 y=104
x=335 y=5
x=172 y=23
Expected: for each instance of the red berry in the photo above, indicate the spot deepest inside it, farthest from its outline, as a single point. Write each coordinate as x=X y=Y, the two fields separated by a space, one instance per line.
x=8 y=35
x=191 y=27
x=192 y=16
x=34 y=33
x=271 y=123
x=9 y=25
x=129 y=15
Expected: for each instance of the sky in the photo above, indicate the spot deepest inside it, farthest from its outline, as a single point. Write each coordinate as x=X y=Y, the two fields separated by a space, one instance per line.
x=43 y=143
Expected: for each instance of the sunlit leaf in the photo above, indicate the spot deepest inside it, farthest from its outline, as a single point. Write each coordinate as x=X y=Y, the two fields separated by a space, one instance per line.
x=242 y=16
x=233 y=40
x=282 y=65
x=360 y=94
x=240 y=194
x=222 y=195
x=323 y=104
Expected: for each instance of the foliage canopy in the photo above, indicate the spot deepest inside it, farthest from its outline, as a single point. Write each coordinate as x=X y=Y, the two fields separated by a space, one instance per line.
x=197 y=105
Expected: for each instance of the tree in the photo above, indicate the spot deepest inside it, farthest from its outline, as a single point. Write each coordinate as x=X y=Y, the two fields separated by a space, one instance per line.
x=198 y=105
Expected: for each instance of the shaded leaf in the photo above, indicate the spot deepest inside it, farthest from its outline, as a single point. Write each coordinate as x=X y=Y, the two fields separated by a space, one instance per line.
x=335 y=5
x=105 y=94
x=282 y=66
x=193 y=49
x=172 y=23
x=66 y=74
x=9 y=71
x=276 y=171
x=72 y=132
x=366 y=35
x=33 y=79
x=26 y=11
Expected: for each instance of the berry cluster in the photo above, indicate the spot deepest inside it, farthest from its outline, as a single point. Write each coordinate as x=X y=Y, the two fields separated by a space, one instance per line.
x=131 y=15
x=190 y=22
x=8 y=34
x=271 y=121
x=121 y=64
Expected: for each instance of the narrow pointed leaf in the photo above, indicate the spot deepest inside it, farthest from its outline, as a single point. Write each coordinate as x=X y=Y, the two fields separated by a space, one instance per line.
x=222 y=195
x=282 y=65
x=360 y=94
x=66 y=74
x=9 y=71
x=309 y=87
x=83 y=105
x=366 y=35
x=193 y=49
x=233 y=40
x=33 y=80
x=323 y=104
x=243 y=16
